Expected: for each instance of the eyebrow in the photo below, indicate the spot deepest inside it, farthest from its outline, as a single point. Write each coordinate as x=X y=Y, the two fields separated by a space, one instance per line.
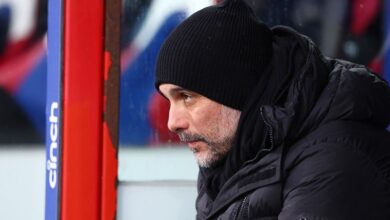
x=176 y=90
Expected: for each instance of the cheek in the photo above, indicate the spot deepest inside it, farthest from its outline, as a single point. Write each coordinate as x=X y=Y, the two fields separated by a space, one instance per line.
x=206 y=121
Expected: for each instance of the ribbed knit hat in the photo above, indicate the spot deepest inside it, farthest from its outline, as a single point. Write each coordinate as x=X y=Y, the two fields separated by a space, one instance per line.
x=219 y=52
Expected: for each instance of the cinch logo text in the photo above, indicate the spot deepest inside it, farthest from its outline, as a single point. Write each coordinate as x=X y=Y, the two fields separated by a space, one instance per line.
x=53 y=150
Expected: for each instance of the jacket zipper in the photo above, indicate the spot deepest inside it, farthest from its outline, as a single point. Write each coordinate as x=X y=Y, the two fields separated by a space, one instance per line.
x=240 y=208
x=269 y=132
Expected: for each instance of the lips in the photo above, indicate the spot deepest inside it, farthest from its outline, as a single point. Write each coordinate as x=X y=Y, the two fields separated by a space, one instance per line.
x=192 y=144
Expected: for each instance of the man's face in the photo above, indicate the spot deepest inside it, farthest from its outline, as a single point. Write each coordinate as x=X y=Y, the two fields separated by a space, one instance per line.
x=206 y=126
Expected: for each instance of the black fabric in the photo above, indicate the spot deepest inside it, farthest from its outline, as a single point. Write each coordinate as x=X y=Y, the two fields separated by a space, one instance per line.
x=253 y=132
x=220 y=52
x=250 y=137
x=323 y=135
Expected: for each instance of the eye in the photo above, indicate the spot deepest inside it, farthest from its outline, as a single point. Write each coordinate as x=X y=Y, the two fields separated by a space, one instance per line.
x=186 y=97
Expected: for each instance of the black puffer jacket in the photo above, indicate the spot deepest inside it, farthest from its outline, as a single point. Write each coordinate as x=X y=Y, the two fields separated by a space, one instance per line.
x=328 y=151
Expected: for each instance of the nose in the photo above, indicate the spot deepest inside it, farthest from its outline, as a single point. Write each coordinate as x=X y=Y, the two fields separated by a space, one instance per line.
x=177 y=120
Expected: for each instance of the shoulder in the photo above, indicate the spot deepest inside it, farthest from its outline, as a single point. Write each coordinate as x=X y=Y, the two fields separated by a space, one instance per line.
x=339 y=170
x=342 y=137
x=341 y=145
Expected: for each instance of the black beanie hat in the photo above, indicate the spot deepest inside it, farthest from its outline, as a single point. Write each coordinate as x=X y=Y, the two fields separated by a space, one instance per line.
x=219 y=52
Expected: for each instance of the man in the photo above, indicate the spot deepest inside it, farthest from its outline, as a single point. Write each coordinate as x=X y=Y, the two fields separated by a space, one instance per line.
x=278 y=130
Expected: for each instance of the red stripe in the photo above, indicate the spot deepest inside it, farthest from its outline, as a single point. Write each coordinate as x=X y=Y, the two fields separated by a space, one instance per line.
x=82 y=112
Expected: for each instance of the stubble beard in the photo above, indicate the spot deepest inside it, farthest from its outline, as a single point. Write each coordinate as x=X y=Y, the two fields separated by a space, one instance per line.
x=219 y=138
x=214 y=153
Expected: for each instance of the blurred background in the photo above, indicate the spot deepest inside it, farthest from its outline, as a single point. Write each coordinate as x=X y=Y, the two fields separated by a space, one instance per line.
x=23 y=26
x=348 y=29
